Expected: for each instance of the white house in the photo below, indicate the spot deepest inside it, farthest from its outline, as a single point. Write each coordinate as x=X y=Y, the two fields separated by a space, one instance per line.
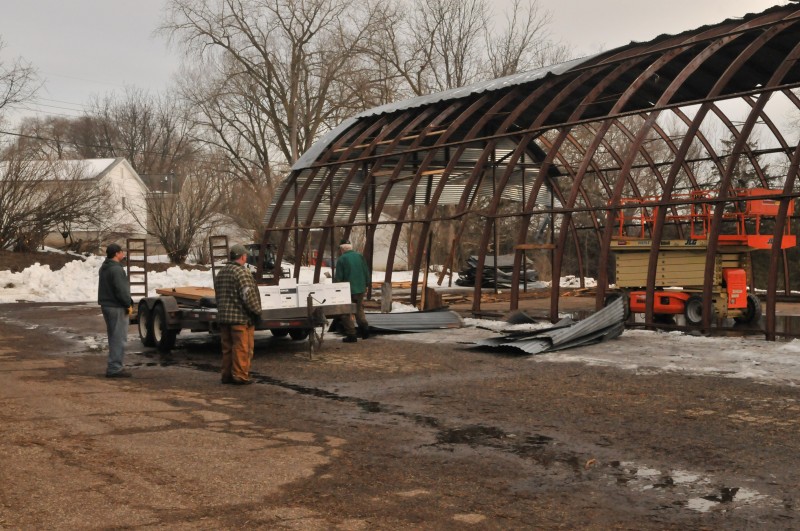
x=127 y=208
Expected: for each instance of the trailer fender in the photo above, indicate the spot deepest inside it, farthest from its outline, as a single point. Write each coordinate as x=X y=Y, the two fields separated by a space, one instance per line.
x=171 y=309
x=149 y=302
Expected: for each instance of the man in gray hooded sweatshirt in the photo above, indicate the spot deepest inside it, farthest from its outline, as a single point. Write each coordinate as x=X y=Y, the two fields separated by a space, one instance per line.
x=114 y=298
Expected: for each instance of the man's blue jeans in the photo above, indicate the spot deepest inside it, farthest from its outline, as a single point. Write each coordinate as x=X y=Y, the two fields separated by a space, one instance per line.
x=117 y=324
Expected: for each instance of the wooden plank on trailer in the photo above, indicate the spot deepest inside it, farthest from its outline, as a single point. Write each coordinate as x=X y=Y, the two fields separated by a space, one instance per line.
x=194 y=293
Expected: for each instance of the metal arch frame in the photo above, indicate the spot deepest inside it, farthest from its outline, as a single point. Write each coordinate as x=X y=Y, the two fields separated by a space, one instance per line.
x=780 y=222
x=689 y=136
x=443 y=114
x=284 y=234
x=387 y=129
x=596 y=85
x=327 y=183
x=451 y=164
x=378 y=208
x=474 y=181
x=716 y=222
x=592 y=95
x=618 y=106
x=692 y=66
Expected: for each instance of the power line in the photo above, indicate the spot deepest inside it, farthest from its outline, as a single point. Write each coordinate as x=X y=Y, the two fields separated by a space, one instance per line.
x=38 y=104
x=45 y=112
x=33 y=106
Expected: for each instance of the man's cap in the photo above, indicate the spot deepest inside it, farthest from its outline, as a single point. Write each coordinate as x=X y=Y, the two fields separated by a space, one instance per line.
x=112 y=250
x=237 y=251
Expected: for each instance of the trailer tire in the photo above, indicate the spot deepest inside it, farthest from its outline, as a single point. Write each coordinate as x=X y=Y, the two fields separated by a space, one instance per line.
x=163 y=336
x=279 y=332
x=298 y=333
x=753 y=312
x=694 y=310
x=145 y=326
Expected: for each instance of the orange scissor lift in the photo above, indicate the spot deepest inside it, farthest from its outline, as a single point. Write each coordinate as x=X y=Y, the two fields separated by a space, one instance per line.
x=680 y=269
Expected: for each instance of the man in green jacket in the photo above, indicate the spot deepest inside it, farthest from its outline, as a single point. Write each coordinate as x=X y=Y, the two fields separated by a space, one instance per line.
x=352 y=267
x=238 y=310
x=114 y=298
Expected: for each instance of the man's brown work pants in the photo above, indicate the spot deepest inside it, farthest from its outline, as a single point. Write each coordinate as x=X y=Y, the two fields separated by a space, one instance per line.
x=237 y=351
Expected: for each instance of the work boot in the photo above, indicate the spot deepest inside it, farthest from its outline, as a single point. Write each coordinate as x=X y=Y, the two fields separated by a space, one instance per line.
x=350 y=339
x=234 y=381
x=120 y=374
x=364 y=332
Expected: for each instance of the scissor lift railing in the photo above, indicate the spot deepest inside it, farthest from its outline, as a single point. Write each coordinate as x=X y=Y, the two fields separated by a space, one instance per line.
x=743 y=222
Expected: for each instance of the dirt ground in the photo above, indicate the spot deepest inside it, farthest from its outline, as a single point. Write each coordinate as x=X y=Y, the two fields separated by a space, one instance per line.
x=382 y=434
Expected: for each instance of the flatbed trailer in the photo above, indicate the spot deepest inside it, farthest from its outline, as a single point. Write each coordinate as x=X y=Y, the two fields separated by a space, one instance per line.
x=161 y=319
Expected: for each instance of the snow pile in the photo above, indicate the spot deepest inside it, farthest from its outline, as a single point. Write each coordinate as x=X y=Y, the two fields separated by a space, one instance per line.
x=77 y=281
x=571 y=281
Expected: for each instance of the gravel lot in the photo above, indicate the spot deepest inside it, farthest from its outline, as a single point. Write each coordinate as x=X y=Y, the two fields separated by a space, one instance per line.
x=650 y=431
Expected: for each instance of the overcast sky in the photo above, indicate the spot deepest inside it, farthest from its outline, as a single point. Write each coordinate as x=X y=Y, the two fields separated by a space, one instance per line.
x=90 y=47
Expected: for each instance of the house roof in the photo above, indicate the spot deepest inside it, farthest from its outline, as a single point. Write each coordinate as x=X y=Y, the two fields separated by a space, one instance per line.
x=77 y=169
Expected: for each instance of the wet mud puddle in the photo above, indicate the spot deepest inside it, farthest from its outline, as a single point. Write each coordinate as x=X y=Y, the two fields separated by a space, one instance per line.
x=675 y=489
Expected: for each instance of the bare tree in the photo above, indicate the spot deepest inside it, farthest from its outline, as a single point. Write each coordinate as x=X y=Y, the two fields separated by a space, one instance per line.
x=279 y=61
x=435 y=45
x=18 y=82
x=38 y=197
x=449 y=33
x=48 y=137
x=152 y=132
x=524 y=42
x=176 y=219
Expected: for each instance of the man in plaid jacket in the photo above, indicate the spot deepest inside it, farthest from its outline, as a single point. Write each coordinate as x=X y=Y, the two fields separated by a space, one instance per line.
x=238 y=310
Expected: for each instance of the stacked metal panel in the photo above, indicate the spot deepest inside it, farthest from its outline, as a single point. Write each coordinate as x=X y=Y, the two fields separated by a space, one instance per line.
x=604 y=325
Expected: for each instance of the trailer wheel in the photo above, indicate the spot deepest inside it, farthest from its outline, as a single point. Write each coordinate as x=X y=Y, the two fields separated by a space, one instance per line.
x=164 y=337
x=694 y=310
x=279 y=332
x=146 y=325
x=298 y=333
x=753 y=312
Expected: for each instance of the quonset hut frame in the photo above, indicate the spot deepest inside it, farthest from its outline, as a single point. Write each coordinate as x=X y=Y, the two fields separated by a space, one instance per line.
x=563 y=143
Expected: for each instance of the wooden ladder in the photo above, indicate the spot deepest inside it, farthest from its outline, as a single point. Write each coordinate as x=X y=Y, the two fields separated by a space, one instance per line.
x=136 y=249
x=218 y=248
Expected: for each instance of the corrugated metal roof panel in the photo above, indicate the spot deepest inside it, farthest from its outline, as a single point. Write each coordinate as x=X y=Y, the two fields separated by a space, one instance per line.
x=414 y=321
x=311 y=155
x=608 y=322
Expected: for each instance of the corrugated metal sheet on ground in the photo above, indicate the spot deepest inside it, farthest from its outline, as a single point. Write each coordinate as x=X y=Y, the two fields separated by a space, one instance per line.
x=414 y=321
x=606 y=324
